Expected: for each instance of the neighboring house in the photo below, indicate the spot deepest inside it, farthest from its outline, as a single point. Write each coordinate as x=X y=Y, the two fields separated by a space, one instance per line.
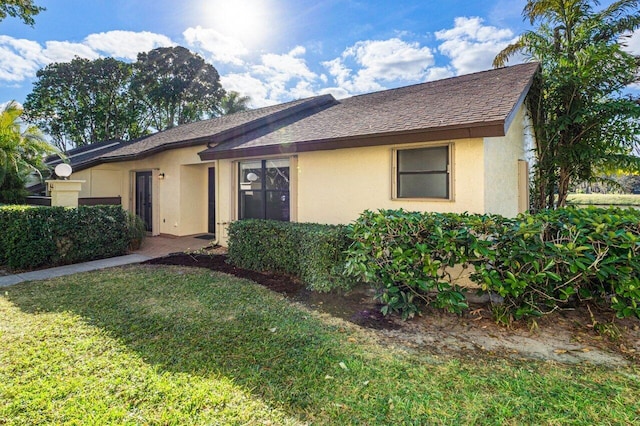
x=454 y=145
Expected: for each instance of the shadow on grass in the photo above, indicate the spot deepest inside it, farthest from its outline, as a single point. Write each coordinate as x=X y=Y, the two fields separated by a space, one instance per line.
x=206 y=323
x=209 y=324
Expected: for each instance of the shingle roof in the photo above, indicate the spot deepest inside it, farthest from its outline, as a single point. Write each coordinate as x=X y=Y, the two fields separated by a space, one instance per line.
x=473 y=105
x=81 y=154
x=201 y=132
x=204 y=131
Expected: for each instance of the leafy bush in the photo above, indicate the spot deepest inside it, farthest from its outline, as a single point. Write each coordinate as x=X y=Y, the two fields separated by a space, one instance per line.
x=558 y=258
x=137 y=231
x=537 y=263
x=312 y=252
x=12 y=188
x=407 y=255
x=33 y=237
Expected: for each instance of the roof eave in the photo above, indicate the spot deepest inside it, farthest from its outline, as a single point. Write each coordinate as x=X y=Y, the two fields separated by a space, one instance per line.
x=523 y=96
x=480 y=130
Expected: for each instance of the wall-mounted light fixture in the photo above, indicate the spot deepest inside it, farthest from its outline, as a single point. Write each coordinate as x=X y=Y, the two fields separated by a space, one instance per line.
x=161 y=176
x=63 y=171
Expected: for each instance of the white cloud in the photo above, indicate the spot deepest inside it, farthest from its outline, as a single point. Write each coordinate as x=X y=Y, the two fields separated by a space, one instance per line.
x=438 y=73
x=364 y=67
x=3 y=105
x=19 y=59
x=221 y=49
x=247 y=85
x=471 y=46
x=302 y=89
x=64 y=51
x=285 y=76
x=632 y=43
x=336 y=92
x=276 y=78
x=380 y=61
x=126 y=44
x=340 y=72
x=285 y=67
x=392 y=59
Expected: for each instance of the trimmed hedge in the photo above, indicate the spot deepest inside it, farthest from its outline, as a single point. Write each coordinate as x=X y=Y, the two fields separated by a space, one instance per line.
x=312 y=252
x=558 y=258
x=537 y=263
x=33 y=237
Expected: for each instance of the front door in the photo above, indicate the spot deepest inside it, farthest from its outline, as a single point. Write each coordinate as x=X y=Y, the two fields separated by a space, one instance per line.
x=212 y=200
x=143 y=198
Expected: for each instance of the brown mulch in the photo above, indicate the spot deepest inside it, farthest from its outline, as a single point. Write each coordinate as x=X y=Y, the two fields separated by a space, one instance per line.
x=355 y=306
x=218 y=262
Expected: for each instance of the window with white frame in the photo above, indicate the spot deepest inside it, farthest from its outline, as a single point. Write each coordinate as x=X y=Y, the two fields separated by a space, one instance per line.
x=423 y=172
x=264 y=189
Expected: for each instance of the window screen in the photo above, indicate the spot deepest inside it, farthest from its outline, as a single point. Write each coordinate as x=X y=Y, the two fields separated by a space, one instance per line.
x=423 y=173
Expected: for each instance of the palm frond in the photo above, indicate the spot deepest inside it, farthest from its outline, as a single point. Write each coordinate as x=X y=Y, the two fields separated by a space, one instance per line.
x=557 y=12
x=503 y=56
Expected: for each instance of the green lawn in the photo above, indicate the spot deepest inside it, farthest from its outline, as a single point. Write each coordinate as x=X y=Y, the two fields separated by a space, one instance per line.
x=625 y=200
x=163 y=345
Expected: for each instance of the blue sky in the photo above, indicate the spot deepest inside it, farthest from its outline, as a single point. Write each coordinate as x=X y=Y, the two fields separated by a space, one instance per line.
x=272 y=50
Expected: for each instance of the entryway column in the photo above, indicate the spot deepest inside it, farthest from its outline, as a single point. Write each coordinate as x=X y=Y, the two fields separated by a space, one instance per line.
x=64 y=193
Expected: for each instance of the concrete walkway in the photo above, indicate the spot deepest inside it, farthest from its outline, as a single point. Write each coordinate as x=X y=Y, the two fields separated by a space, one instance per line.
x=152 y=247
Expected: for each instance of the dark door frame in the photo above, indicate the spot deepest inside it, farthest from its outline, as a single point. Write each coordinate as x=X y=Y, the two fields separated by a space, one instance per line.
x=143 y=193
x=211 y=200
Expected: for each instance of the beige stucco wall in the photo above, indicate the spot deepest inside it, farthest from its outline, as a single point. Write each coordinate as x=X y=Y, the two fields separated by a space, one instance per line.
x=180 y=199
x=336 y=186
x=501 y=157
x=193 y=193
x=326 y=186
x=226 y=199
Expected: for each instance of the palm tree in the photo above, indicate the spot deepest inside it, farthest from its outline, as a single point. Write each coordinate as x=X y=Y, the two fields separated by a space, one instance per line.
x=21 y=152
x=232 y=102
x=582 y=121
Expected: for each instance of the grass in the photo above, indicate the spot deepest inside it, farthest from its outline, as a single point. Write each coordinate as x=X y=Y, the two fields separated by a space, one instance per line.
x=624 y=200
x=143 y=345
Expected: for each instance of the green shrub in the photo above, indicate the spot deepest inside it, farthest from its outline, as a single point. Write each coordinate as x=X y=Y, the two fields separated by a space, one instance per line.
x=537 y=263
x=312 y=252
x=12 y=188
x=137 y=231
x=558 y=258
x=321 y=257
x=35 y=237
x=406 y=256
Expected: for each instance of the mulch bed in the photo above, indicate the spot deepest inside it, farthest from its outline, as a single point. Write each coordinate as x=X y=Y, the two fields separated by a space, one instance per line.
x=356 y=308
x=218 y=262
